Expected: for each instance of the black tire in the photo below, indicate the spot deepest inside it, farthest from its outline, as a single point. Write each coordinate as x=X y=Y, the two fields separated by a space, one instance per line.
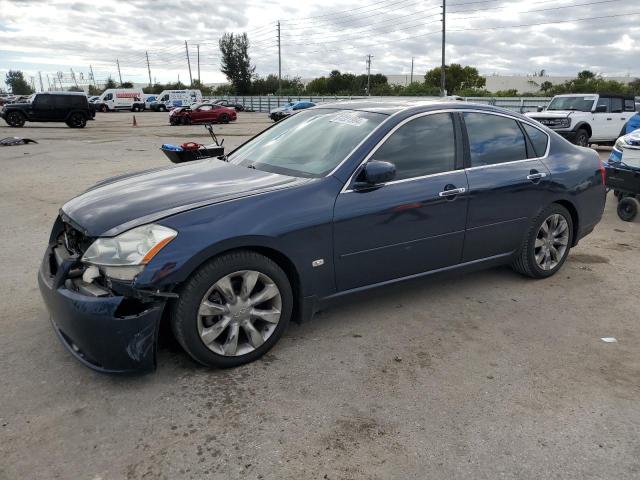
x=224 y=118
x=15 y=119
x=582 y=138
x=162 y=108
x=628 y=209
x=104 y=109
x=525 y=262
x=184 y=318
x=186 y=121
x=77 y=120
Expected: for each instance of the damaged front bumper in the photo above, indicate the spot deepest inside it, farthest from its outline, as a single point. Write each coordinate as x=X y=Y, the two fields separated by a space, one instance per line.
x=109 y=333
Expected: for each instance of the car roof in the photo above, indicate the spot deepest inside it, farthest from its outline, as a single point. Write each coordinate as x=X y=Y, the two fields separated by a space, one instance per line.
x=62 y=93
x=391 y=106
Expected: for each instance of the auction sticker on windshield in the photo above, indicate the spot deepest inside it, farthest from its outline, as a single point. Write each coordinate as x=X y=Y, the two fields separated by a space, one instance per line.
x=349 y=118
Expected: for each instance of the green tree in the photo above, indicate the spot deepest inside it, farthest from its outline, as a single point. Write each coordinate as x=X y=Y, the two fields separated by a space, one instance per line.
x=126 y=85
x=93 y=90
x=75 y=89
x=235 y=63
x=110 y=83
x=17 y=84
x=546 y=86
x=457 y=78
x=420 y=89
x=586 y=75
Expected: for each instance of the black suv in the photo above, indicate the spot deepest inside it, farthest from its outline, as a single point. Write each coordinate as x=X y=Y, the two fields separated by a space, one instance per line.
x=69 y=107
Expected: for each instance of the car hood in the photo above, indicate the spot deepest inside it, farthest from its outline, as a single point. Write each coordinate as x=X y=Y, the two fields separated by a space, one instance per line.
x=551 y=114
x=119 y=204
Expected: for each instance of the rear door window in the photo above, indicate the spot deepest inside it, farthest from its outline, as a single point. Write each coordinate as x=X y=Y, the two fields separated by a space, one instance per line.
x=423 y=146
x=616 y=105
x=538 y=138
x=629 y=106
x=494 y=139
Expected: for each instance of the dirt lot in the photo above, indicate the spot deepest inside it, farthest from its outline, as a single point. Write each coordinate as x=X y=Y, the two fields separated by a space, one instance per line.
x=481 y=376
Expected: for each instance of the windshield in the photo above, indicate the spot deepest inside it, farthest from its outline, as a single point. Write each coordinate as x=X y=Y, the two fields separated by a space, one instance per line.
x=582 y=104
x=308 y=144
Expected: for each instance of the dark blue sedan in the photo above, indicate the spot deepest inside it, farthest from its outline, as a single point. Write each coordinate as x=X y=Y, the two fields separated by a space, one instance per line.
x=332 y=200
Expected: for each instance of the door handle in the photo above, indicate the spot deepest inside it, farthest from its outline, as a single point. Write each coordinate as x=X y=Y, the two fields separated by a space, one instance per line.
x=609 y=119
x=536 y=176
x=452 y=192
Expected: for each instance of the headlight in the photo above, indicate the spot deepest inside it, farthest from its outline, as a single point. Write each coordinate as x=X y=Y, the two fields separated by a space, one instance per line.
x=564 y=122
x=124 y=256
x=620 y=144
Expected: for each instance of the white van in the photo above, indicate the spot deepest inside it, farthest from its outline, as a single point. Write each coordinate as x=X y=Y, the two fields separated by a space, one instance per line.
x=149 y=99
x=121 y=99
x=169 y=99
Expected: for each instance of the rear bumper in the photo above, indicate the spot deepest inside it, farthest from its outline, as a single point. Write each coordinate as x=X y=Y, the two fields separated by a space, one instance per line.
x=98 y=331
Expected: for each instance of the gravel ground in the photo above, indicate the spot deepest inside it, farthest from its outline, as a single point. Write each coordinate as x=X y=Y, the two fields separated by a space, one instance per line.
x=486 y=375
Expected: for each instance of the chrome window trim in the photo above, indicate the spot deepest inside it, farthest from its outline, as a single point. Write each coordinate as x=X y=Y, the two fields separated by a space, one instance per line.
x=451 y=110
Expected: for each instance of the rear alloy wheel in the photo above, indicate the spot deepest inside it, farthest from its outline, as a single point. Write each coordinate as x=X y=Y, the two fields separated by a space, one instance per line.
x=162 y=108
x=15 y=119
x=628 y=209
x=224 y=118
x=104 y=109
x=77 y=120
x=233 y=310
x=582 y=138
x=547 y=244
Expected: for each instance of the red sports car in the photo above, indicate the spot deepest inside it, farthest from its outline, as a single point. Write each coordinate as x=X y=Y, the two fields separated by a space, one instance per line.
x=202 y=113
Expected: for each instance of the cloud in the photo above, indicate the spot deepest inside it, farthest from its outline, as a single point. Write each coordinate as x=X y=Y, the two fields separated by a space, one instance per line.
x=317 y=36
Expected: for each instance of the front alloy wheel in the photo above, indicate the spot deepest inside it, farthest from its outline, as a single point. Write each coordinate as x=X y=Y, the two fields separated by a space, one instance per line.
x=233 y=309
x=15 y=119
x=239 y=313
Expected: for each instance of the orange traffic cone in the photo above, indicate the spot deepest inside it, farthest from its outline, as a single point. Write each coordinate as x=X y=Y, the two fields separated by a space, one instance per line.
x=135 y=124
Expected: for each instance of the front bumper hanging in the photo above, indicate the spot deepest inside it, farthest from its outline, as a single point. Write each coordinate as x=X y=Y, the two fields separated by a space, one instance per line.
x=111 y=333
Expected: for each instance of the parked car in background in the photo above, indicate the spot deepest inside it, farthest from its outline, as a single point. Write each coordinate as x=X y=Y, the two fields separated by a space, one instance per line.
x=169 y=99
x=587 y=118
x=93 y=98
x=238 y=107
x=202 y=113
x=114 y=99
x=333 y=200
x=290 y=108
x=71 y=108
x=149 y=99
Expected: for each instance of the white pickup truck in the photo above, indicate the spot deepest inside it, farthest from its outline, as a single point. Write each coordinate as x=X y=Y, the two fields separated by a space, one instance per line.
x=587 y=118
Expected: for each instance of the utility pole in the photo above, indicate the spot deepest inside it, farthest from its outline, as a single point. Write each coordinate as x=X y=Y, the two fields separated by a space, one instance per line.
x=41 y=85
x=369 y=57
x=411 y=71
x=119 y=74
x=148 y=67
x=443 y=91
x=279 y=62
x=186 y=47
x=93 y=77
x=48 y=82
x=198 y=46
x=73 y=75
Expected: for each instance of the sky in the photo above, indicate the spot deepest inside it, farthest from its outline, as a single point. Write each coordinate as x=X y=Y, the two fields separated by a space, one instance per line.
x=317 y=36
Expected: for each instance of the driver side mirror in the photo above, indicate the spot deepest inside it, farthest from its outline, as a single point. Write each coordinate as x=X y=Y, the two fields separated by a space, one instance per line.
x=540 y=108
x=375 y=173
x=601 y=109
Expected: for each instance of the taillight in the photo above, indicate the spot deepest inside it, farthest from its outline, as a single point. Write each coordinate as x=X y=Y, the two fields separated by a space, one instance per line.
x=603 y=172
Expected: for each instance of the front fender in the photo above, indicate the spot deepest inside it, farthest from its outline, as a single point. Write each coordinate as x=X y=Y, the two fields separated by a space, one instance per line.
x=292 y=225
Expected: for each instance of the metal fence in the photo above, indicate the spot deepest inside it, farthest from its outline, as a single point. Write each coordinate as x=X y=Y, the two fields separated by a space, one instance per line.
x=267 y=103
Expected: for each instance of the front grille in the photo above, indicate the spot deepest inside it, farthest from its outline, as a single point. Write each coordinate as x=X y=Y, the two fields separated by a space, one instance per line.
x=550 y=122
